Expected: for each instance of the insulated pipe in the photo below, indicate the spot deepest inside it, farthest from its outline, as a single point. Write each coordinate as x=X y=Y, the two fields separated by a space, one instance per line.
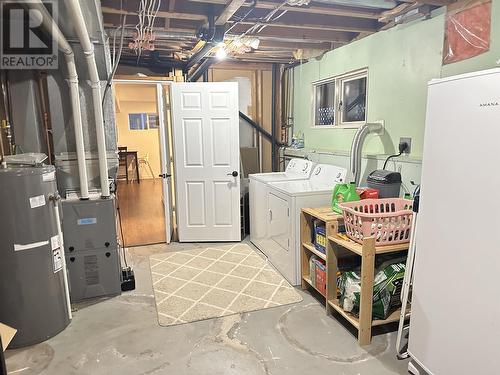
x=51 y=26
x=357 y=147
x=88 y=49
x=160 y=34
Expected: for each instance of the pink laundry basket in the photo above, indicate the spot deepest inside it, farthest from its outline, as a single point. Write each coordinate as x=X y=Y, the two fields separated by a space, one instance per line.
x=388 y=220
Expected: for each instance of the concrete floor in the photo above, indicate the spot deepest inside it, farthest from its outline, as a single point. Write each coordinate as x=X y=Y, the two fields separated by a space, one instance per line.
x=121 y=336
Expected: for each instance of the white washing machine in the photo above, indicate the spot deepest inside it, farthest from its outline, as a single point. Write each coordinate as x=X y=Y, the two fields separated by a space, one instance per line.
x=297 y=169
x=285 y=201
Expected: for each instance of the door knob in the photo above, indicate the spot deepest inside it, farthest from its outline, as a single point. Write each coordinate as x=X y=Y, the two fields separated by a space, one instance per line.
x=233 y=173
x=164 y=175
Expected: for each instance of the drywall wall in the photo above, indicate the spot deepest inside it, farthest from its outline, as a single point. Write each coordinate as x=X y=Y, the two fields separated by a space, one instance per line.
x=130 y=98
x=400 y=62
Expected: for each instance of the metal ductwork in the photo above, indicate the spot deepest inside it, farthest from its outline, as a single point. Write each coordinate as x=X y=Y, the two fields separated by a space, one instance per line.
x=88 y=49
x=50 y=25
x=79 y=135
x=175 y=35
x=357 y=148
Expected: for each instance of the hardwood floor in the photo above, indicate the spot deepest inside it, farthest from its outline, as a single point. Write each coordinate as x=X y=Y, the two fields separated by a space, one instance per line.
x=142 y=212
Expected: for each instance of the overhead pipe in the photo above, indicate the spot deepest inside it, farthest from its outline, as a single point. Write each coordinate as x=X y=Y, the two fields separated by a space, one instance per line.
x=159 y=34
x=204 y=51
x=260 y=129
x=201 y=70
x=163 y=66
x=357 y=147
x=88 y=50
x=274 y=149
x=45 y=115
x=2 y=151
x=51 y=27
x=212 y=36
x=7 y=126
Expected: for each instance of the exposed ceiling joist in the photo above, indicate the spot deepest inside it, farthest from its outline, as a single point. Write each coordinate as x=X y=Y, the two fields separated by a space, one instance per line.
x=303 y=34
x=161 y=14
x=222 y=2
x=319 y=9
x=281 y=28
x=171 y=7
x=228 y=12
x=332 y=27
x=438 y=3
x=292 y=46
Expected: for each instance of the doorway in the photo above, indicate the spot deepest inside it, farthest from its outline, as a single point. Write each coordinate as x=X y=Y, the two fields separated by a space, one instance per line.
x=141 y=190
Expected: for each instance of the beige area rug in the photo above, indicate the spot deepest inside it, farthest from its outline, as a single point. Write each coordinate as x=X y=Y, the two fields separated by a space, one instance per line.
x=208 y=283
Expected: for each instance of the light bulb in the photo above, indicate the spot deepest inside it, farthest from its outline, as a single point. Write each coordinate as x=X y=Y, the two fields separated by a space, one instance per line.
x=221 y=53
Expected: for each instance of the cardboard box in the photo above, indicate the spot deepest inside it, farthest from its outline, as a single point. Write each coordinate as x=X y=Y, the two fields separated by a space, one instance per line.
x=7 y=334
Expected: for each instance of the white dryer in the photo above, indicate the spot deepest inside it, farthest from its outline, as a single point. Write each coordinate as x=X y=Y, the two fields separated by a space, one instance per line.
x=297 y=169
x=285 y=201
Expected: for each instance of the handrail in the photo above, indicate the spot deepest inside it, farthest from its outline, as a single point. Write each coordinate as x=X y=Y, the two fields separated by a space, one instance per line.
x=261 y=130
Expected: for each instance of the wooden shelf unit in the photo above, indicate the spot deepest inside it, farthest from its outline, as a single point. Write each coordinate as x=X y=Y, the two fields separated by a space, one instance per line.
x=337 y=247
x=331 y=221
x=310 y=284
x=368 y=251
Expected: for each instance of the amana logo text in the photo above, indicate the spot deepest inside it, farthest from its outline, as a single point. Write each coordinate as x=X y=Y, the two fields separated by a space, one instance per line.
x=488 y=104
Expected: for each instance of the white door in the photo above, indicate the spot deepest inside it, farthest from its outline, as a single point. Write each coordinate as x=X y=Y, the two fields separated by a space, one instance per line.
x=207 y=161
x=164 y=111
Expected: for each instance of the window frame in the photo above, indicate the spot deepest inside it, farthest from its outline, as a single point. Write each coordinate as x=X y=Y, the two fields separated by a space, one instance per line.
x=339 y=81
x=157 y=118
x=144 y=121
x=313 y=99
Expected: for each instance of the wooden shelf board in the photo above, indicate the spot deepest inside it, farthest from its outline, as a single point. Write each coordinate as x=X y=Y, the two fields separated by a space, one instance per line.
x=310 y=247
x=358 y=248
x=308 y=281
x=349 y=317
x=323 y=213
x=393 y=317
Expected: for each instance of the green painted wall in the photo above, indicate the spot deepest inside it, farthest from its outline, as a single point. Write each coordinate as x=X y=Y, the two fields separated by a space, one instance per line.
x=400 y=62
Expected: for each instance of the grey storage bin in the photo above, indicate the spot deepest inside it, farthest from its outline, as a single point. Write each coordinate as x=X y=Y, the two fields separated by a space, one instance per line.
x=388 y=183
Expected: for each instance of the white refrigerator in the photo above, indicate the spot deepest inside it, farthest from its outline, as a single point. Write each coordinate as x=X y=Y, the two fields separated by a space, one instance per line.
x=455 y=318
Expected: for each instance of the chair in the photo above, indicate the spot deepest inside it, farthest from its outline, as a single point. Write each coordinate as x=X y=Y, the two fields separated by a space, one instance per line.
x=122 y=162
x=144 y=161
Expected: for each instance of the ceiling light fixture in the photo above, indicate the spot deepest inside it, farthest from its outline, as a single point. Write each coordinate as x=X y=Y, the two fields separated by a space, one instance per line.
x=221 y=53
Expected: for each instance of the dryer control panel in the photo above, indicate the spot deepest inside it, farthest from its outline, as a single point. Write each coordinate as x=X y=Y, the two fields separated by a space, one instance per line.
x=301 y=167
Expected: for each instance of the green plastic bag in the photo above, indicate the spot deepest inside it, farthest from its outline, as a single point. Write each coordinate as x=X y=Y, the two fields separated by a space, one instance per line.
x=386 y=290
x=343 y=193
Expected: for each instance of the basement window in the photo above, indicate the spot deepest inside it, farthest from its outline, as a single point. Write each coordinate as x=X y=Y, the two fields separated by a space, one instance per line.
x=324 y=104
x=340 y=101
x=353 y=101
x=143 y=121
x=153 y=121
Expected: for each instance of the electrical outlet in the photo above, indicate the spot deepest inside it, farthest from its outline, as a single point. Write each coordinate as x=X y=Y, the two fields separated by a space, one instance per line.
x=408 y=141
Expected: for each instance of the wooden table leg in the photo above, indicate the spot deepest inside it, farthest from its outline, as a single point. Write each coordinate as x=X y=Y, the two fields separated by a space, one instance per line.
x=126 y=167
x=331 y=267
x=366 y=301
x=137 y=169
